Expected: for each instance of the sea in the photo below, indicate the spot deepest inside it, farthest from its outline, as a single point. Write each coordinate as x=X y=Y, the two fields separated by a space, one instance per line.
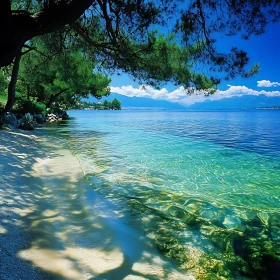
x=204 y=187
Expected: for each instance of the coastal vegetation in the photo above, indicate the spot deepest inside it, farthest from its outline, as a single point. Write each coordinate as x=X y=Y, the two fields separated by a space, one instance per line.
x=105 y=105
x=47 y=76
x=127 y=36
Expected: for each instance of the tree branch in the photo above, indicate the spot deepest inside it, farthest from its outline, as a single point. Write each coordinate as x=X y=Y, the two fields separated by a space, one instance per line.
x=201 y=13
x=17 y=27
x=60 y=92
x=54 y=96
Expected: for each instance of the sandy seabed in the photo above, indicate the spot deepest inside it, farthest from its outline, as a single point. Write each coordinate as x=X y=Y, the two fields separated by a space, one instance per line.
x=53 y=225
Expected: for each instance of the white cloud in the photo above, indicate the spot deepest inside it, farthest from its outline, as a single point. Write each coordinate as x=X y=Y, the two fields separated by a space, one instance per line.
x=142 y=91
x=267 y=83
x=180 y=94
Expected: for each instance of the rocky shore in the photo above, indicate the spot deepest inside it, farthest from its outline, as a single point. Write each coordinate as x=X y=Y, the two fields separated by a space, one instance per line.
x=29 y=121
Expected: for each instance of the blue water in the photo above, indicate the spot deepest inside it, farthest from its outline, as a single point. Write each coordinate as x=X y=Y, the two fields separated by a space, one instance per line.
x=203 y=185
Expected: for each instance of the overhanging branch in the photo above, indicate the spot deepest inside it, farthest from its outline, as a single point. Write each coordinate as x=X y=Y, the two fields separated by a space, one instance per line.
x=17 y=27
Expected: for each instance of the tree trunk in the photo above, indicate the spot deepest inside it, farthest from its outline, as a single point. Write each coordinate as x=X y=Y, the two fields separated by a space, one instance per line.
x=51 y=100
x=17 y=27
x=54 y=96
x=12 y=85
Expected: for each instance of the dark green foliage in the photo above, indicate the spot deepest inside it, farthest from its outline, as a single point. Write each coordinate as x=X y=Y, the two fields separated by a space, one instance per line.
x=116 y=104
x=64 y=78
x=40 y=108
x=106 y=105
x=4 y=81
x=121 y=36
x=24 y=106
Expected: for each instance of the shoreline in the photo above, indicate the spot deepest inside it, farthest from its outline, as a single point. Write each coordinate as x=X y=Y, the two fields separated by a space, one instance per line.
x=55 y=226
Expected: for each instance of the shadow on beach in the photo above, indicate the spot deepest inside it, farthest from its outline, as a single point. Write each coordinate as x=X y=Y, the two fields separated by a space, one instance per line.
x=20 y=193
x=49 y=231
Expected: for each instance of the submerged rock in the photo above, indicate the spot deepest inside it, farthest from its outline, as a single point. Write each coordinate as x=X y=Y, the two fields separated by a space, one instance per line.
x=274 y=229
x=209 y=214
x=264 y=218
x=231 y=222
x=193 y=207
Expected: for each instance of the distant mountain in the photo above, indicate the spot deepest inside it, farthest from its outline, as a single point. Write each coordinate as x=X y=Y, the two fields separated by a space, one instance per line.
x=139 y=102
x=238 y=102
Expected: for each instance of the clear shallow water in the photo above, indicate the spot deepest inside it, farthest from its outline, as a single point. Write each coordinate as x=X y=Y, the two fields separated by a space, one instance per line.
x=205 y=186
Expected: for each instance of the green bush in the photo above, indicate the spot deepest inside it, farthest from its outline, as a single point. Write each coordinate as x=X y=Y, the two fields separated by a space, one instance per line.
x=3 y=99
x=24 y=106
x=40 y=108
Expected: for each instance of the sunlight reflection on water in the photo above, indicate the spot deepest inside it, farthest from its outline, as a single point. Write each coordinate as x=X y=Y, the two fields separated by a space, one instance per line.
x=209 y=182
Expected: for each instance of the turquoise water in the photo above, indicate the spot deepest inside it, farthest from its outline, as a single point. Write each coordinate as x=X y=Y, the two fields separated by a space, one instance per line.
x=204 y=186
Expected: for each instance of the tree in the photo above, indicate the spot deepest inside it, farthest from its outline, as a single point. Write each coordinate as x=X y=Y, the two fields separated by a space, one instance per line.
x=125 y=25
x=64 y=78
x=116 y=104
x=63 y=74
x=119 y=34
x=13 y=81
x=106 y=104
x=31 y=19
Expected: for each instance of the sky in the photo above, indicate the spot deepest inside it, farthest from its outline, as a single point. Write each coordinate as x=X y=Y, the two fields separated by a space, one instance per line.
x=263 y=49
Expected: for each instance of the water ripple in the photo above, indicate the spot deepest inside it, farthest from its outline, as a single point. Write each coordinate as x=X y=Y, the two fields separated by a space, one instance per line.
x=201 y=184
